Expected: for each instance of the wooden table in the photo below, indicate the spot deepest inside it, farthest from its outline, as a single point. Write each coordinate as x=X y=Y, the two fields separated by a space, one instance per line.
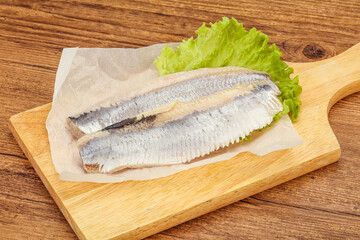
x=323 y=204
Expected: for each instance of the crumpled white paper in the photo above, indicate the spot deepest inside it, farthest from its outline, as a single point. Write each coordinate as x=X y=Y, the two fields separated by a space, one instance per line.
x=89 y=77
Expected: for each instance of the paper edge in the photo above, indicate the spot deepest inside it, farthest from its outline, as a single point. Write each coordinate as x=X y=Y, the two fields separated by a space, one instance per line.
x=65 y=63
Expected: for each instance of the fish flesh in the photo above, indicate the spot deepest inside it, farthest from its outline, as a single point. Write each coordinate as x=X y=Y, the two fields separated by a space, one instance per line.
x=182 y=86
x=179 y=131
x=176 y=110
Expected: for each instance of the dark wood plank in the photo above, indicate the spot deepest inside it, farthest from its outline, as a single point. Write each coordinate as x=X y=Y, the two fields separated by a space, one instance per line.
x=323 y=204
x=27 y=210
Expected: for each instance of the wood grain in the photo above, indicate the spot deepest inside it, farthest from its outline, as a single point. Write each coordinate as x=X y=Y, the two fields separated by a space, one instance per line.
x=32 y=34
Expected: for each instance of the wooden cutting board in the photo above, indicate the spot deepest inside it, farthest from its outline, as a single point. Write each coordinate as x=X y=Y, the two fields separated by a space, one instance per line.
x=136 y=209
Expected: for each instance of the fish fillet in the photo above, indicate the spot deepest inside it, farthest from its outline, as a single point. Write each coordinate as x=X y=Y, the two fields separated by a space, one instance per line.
x=182 y=131
x=183 y=87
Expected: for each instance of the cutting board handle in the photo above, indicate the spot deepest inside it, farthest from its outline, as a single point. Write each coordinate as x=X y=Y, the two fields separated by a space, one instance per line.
x=336 y=77
x=345 y=74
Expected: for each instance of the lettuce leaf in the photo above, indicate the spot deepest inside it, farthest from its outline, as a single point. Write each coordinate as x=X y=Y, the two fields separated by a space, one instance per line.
x=227 y=43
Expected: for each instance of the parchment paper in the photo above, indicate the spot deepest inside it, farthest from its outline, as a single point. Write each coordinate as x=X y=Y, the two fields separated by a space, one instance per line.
x=89 y=77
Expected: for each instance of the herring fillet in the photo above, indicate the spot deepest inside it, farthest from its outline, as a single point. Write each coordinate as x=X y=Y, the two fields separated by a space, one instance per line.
x=200 y=131
x=183 y=86
x=177 y=109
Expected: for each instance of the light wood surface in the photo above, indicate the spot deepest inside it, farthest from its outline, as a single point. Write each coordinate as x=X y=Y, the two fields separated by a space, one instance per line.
x=323 y=204
x=137 y=209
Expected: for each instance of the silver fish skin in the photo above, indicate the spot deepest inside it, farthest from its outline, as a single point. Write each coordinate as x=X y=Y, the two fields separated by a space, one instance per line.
x=182 y=140
x=183 y=86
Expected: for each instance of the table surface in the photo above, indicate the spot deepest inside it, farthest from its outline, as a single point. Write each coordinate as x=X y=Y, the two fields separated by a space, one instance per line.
x=323 y=204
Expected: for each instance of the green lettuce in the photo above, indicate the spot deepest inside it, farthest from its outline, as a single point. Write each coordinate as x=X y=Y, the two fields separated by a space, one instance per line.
x=227 y=43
